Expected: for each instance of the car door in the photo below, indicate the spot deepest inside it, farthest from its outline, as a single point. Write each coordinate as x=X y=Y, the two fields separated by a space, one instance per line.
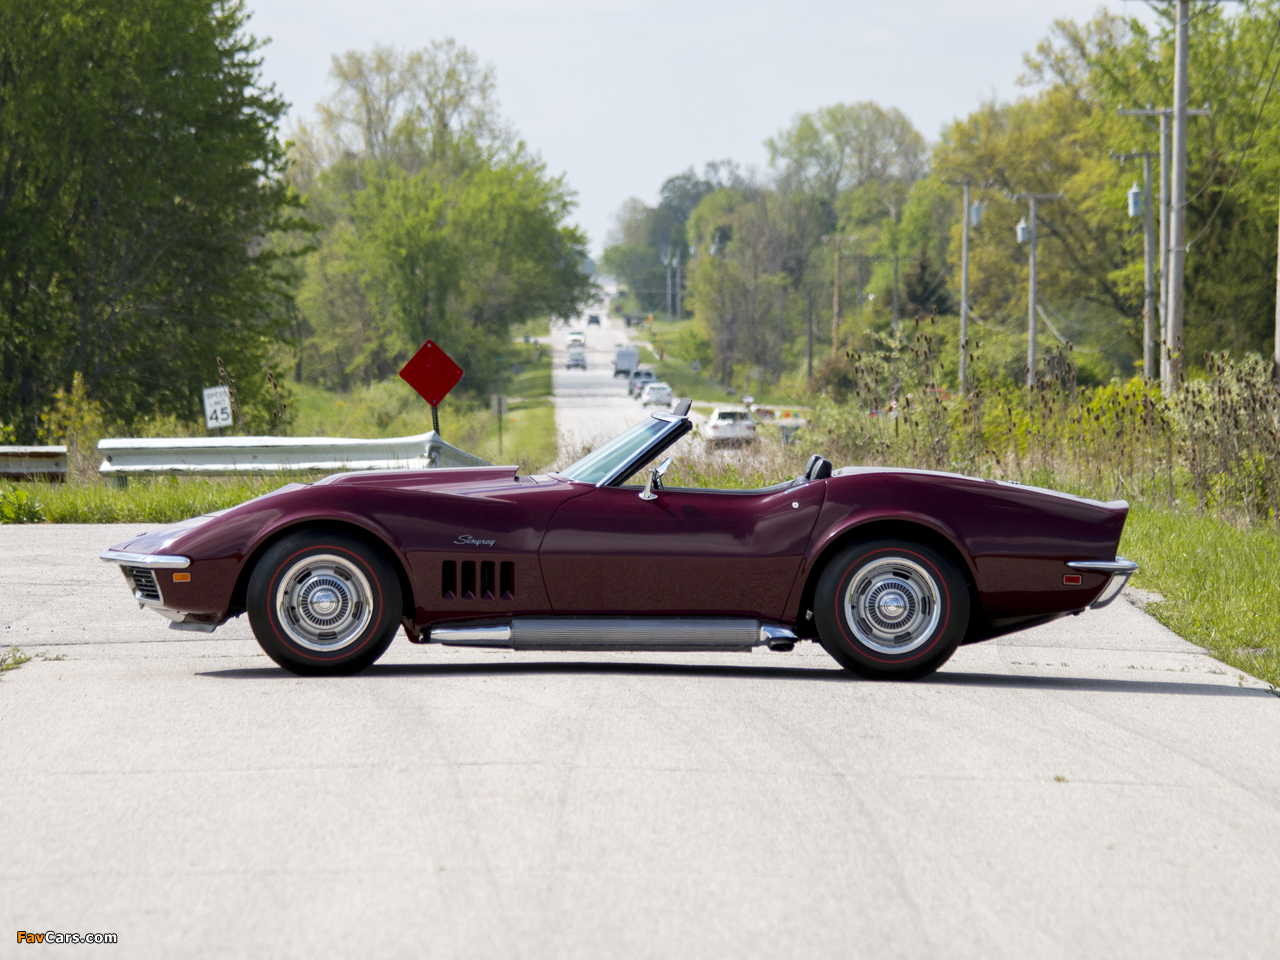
x=688 y=552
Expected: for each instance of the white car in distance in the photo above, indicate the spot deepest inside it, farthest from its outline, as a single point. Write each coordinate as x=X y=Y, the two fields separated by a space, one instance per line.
x=576 y=338
x=656 y=392
x=640 y=378
x=730 y=426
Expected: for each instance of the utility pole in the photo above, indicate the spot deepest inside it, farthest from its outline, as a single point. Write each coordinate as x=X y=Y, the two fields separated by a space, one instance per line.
x=857 y=286
x=1149 y=346
x=839 y=240
x=895 y=291
x=679 y=283
x=1166 y=115
x=808 y=319
x=970 y=216
x=668 y=257
x=782 y=315
x=1178 y=196
x=964 y=293
x=1028 y=232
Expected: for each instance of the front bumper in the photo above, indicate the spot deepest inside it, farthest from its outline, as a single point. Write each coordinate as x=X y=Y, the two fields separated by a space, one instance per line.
x=1120 y=569
x=139 y=571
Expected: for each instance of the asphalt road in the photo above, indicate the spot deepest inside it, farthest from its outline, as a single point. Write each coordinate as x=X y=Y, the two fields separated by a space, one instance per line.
x=591 y=405
x=1093 y=788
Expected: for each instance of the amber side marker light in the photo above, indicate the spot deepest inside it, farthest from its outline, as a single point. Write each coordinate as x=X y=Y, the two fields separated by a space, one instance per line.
x=1071 y=579
x=186 y=578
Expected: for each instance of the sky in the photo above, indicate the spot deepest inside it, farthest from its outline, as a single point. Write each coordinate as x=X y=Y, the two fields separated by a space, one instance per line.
x=618 y=95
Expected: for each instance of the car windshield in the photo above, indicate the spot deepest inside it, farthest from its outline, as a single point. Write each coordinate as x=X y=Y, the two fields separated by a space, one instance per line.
x=731 y=415
x=599 y=464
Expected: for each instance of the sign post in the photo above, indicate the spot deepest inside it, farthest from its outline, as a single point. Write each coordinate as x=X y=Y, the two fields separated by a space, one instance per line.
x=433 y=374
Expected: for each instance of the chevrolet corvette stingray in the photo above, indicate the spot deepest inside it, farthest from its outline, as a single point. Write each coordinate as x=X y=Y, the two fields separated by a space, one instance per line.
x=889 y=569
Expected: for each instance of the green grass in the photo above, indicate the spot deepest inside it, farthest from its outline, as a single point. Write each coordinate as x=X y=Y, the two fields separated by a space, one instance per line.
x=1218 y=581
x=150 y=500
x=528 y=436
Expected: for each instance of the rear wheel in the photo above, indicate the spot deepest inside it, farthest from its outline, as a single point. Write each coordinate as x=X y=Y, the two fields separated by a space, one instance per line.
x=323 y=603
x=891 y=609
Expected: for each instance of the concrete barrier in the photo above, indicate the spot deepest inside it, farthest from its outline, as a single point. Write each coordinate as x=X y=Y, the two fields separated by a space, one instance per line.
x=33 y=463
x=222 y=456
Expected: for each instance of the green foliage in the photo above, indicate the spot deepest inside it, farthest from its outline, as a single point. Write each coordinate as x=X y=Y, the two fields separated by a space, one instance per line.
x=650 y=247
x=20 y=504
x=76 y=421
x=142 y=174
x=434 y=223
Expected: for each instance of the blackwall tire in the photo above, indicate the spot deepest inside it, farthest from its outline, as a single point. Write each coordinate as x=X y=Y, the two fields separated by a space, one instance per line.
x=891 y=609
x=323 y=604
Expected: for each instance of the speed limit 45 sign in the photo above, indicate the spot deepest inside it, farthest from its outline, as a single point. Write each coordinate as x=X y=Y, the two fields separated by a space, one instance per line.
x=217 y=407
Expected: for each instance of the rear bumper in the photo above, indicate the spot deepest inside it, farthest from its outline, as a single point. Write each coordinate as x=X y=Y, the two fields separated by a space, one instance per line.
x=1121 y=570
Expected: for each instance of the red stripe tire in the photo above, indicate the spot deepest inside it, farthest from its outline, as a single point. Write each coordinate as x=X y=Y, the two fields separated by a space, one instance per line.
x=323 y=604
x=891 y=609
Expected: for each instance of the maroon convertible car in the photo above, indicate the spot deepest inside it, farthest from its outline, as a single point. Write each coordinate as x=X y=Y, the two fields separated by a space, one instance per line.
x=888 y=569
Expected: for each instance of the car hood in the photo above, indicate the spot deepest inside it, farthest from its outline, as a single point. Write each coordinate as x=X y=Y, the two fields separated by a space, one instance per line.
x=327 y=498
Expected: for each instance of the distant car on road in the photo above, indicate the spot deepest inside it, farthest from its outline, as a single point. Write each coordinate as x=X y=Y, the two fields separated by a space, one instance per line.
x=577 y=358
x=625 y=360
x=639 y=379
x=656 y=393
x=576 y=338
x=593 y=320
x=728 y=425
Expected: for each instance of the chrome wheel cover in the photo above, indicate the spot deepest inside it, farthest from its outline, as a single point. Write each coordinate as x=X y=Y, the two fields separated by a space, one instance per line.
x=323 y=603
x=892 y=605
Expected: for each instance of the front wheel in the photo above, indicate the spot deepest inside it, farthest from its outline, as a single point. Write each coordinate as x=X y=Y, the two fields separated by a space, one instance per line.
x=891 y=609
x=323 y=604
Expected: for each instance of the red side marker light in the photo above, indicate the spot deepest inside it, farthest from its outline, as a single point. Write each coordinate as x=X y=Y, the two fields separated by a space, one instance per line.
x=182 y=578
x=1072 y=579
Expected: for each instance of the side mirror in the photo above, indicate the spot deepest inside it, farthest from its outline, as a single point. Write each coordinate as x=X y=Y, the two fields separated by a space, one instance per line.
x=654 y=482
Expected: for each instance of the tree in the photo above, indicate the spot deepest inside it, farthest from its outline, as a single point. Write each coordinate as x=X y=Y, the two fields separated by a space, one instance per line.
x=140 y=176
x=849 y=147
x=408 y=109
x=434 y=222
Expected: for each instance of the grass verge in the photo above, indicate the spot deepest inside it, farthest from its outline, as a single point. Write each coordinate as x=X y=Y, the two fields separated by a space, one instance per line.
x=1218 y=583
x=528 y=436
x=155 y=500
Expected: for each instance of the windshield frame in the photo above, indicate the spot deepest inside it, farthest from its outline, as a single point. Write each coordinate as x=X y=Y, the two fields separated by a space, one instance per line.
x=677 y=427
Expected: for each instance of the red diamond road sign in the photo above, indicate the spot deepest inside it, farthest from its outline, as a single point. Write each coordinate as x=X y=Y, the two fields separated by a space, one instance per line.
x=432 y=373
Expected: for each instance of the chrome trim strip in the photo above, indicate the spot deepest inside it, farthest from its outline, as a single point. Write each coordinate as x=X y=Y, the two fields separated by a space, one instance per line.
x=1118 y=565
x=1121 y=569
x=154 y=560
x=619 y=633
x=193 y=627
x=471 y=636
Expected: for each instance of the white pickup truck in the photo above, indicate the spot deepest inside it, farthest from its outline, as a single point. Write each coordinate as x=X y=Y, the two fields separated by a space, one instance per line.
x=626 y=360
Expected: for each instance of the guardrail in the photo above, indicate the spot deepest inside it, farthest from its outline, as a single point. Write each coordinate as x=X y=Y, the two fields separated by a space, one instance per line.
x=33 y=463
x=221 y=456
